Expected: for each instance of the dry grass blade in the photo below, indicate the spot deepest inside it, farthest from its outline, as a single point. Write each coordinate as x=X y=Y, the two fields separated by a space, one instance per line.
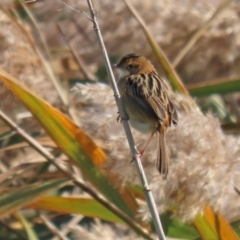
x=191 y=42
x=45 y=141
x=162 y=58
x=18 y=170
x=46 y=64
x=79 y=61
x=133 y=224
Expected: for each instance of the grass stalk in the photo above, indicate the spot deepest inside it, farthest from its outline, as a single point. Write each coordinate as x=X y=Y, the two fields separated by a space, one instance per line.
x=137 y=160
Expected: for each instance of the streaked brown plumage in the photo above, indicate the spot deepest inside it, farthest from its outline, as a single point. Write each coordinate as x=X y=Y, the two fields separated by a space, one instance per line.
x=146 y=101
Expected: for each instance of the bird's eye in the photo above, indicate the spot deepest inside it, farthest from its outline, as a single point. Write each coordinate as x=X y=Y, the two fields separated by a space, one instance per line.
x=132 y=68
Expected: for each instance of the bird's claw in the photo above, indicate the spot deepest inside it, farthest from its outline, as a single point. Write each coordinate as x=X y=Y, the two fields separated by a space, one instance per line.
x=120 y=119
x=137 y=155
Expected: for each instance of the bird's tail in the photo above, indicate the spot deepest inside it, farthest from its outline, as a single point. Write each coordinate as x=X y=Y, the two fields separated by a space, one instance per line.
x=162 y=157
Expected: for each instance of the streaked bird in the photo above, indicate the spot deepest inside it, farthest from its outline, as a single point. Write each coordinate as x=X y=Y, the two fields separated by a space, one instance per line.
x=147 y=102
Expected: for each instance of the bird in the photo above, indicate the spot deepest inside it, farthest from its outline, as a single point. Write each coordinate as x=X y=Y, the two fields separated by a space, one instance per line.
x=147 y=103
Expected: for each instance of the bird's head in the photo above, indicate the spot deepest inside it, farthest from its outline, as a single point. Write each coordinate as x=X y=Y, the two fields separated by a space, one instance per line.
x=134 y=63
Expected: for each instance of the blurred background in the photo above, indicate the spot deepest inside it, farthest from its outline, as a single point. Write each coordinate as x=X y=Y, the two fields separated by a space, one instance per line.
x=200 y=38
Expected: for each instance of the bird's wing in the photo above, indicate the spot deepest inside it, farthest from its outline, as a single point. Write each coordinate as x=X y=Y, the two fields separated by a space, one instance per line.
x=151 y=91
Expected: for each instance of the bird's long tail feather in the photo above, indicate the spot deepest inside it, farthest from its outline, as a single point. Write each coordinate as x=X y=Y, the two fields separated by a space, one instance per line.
x=162 y=157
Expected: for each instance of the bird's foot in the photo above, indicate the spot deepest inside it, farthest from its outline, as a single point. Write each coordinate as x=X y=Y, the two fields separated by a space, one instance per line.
x=120 y=119
x=137 y=155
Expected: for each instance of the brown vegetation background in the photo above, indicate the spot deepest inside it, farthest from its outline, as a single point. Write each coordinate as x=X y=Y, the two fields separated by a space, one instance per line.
x=173 y=23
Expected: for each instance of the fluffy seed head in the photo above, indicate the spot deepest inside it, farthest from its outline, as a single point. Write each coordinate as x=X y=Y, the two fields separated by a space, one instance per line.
x=204 y=162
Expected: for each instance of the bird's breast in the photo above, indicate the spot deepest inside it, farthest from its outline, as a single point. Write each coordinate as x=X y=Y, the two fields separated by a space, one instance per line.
x=139 y=117
x=141 y=126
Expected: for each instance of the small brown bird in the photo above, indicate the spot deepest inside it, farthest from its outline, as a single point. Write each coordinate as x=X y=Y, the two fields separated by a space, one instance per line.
x=146 y=101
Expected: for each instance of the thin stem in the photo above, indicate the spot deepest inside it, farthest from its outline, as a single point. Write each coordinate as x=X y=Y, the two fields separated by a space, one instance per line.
x=75 y=9
x=73 y=223
x=148 y=192
x=52 y=227
x=80 y=63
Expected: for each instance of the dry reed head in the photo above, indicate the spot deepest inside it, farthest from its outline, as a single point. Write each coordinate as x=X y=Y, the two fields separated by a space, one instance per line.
x=202 y=158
